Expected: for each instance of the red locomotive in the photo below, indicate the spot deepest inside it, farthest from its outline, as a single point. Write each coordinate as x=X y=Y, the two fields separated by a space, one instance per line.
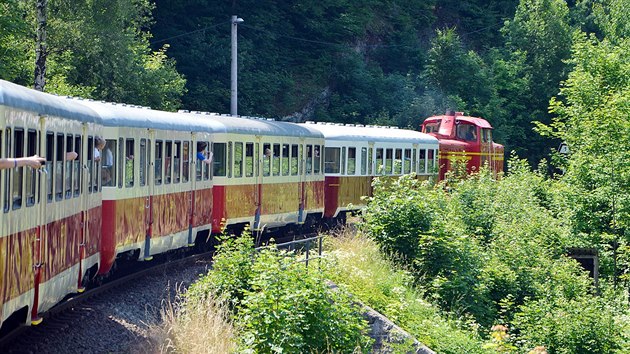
x=464 y=138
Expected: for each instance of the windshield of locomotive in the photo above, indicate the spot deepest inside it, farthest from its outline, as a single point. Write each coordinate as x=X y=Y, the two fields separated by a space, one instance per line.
x=432 y=127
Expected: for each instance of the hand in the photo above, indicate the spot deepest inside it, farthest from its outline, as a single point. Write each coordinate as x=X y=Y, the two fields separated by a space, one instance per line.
x=33 y=161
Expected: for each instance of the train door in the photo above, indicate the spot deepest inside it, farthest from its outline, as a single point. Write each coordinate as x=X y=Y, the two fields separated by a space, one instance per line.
x=149 y=166
x=41 y=184
x=301 y=179
x=81 y=163
x=258 y=173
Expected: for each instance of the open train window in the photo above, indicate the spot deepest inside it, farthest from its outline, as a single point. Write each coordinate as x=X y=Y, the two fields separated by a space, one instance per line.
x=275 y=158
x=249 y=160
x=59 y=168
x=31 y=174
x=68 y=166
x=121 y=162
x=18 y=136
x=230 y=159
x=143 y=162
x=352 y=160
x=267 y=155
x=91 y=185
x=398 y=161
x=294 y=160
x=317 y=159
x=430 y=160
x=486 y=135
x=177 y=161
x=158 y=162
x=343 y=161
x=332 y=159
x=129 y=162
x=432 y=127
x=185 y=161
x=238 y=159
x=9 y=173
x=78 y=148
x=389 y=161
x=309 y=159
x=364 y=155
x=168 y=158
x=467 y=132
x=257 y=161
x=414 y=165
x=370 y=160
x=285 y=160
x=407 y=161
x=108 y=163
x=50 y=156
x=219 y=159
x=422 y=161
x=208 y=170
x=380 y=162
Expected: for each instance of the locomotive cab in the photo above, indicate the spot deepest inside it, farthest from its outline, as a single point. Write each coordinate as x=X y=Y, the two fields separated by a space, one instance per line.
x=464 y=139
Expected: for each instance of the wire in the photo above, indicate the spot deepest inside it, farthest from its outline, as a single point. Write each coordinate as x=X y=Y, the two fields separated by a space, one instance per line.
x=191 y=32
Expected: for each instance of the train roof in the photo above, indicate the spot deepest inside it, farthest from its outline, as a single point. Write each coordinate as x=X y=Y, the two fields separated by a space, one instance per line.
x=258 y=126
x=351 y=132
x=20 y=97
x=480 y=122
x=123 y=115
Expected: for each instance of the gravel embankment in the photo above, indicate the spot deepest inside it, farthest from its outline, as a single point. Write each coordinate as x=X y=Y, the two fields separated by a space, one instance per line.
x=114 y=322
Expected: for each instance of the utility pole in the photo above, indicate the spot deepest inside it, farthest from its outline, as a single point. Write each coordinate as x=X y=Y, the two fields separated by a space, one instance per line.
x=40 y=46
x=234 y=86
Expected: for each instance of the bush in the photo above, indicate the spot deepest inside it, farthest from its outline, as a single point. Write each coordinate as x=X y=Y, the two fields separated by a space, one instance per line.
x=278 y=305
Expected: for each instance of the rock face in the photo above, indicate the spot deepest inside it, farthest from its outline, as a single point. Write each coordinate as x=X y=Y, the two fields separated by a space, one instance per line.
x=389 y=338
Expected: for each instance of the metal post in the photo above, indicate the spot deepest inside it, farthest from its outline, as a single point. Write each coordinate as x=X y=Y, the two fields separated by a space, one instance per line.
x=234 y=89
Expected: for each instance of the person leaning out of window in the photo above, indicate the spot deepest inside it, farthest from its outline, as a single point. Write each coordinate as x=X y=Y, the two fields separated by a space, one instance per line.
x=32 y=161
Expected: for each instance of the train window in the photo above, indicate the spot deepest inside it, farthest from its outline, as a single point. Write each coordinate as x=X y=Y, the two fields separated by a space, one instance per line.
x=90 y=165
x=7 y=181
x=398 y=161
x=143 y=162
x=257 y=162
x=198 y=163
x=18 y=173
x=177 y=158
x=413 y=161
x=343 y=161
x=230 y=159
x=285 y=160
x=108 y=164
x=249 y=159
x=352 y=160
x=430 y=160
x=158 y=161
x=238 y=159
x=129 y=162
x=78 y=148
x=59 y=170
x=407 y=161
x=266 y=159
x=275 y=160
x=380 y=162
x=50 y=153
x=309 y=159
x=168 y=157
x=121 y=162
x=294 y=160
x=422 y=161
x=300 y=158
x=149 y=161
x=432 y=127
x=317 y=163
x=467 y=132
x=370 y=160
x=206 y=168
x=389 y=161
x=332 y=160
x=185 y=161
x=364 y=161
x=486 y=135
x=219 y=159
x=68 y=166
x=31 y=174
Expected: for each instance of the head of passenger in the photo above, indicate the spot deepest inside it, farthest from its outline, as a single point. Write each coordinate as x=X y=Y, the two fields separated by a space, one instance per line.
x=201 y=146
x=99 y=143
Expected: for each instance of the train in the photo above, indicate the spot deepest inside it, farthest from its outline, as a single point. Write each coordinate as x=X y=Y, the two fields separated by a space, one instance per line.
x=467 y=140
x=148 y=182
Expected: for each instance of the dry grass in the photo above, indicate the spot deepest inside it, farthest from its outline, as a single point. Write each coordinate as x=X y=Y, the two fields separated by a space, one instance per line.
x=193 y=327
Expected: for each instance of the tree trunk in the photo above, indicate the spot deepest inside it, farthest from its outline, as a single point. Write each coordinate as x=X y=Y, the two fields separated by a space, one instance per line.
x=40 y=46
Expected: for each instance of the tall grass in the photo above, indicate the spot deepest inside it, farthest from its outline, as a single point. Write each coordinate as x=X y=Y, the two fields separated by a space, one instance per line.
x=193 y=326
x=358 y=265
